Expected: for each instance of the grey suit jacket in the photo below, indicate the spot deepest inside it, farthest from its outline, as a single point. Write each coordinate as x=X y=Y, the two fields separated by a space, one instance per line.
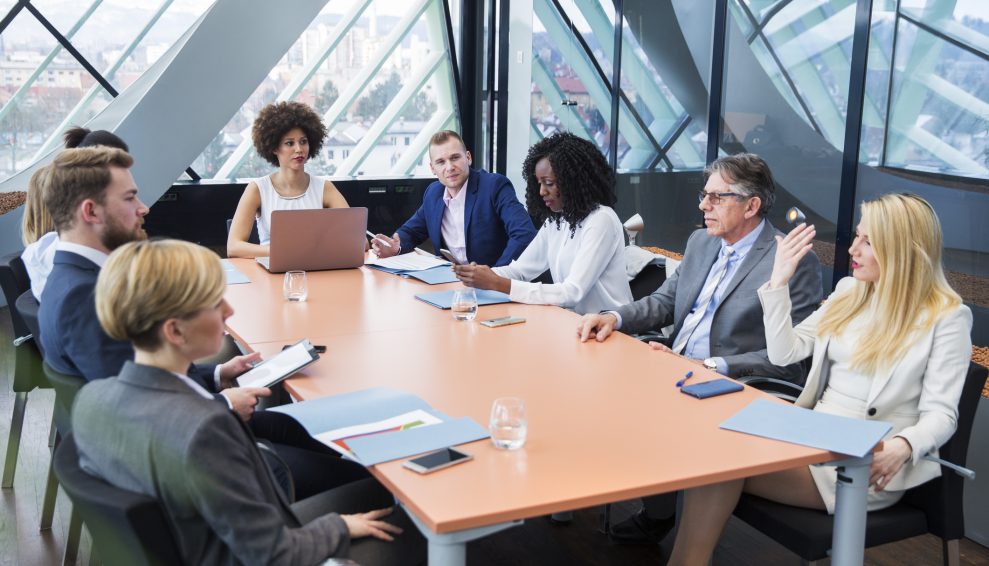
x=737 y=332
x=148 y=432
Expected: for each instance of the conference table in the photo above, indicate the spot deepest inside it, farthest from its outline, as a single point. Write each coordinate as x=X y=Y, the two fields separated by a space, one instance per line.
x=605 y=420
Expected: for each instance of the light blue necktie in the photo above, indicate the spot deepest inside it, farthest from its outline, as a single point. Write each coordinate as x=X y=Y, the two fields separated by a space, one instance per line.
x=691 y=321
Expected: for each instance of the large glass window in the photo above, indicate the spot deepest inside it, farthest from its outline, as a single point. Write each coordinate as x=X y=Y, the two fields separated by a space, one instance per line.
x=380 y=74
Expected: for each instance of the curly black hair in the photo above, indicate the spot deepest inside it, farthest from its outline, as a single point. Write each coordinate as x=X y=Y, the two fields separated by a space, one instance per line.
x=277 y=119
x=582 y=174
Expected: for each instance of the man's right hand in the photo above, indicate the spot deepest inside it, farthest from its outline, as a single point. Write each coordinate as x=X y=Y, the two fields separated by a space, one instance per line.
x=244 y=399
x=381 y=250
x=596 y=326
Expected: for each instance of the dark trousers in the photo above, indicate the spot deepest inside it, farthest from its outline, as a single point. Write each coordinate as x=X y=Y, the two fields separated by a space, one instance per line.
x=315 y=467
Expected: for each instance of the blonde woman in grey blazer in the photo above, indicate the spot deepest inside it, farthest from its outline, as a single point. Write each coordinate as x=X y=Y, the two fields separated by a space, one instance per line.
x=155 y=431
x=892 y=343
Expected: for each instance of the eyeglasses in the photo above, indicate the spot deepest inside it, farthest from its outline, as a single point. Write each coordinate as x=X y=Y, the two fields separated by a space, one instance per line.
x=716 y=197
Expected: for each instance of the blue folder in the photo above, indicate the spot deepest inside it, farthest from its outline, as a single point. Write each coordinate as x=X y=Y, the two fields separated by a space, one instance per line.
x=434 y=276
x=379 y=403
x=444 y=299
x=781 y=421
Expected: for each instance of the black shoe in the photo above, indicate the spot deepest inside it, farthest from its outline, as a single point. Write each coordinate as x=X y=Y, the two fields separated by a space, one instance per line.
x=640 y=529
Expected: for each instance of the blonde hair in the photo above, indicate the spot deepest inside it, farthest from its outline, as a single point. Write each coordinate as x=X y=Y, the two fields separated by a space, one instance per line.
x=37 y=221
x=80 y=174
x=911 y=293
x=145 y=283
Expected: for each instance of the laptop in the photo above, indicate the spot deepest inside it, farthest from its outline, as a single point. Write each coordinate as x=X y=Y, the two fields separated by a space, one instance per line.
x=316 y=240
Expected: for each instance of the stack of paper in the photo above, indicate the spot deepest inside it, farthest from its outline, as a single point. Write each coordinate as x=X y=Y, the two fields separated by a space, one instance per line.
x=425 y=268
x=380 y=424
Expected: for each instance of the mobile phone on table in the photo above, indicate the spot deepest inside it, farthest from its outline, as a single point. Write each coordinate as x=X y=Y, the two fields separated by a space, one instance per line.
x=712 y=388
x=449 y=256
x=503 y=321
x=438 y=460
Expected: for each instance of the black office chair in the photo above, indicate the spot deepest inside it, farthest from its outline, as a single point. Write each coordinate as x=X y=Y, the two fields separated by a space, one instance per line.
x=127 y=527
x=27 y=360
x=935 y=507
x=253 y=238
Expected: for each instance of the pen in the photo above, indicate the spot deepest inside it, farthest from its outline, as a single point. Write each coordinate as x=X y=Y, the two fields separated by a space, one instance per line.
x=373 y=237
x=685 y=378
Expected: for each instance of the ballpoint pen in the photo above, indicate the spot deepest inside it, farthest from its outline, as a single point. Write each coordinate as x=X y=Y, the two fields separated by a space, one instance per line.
x=685 y=378
x=373 y=237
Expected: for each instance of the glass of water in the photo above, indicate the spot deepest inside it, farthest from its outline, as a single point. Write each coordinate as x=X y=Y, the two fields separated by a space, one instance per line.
x=508 y=425
x=464 y=304
x=295 y=287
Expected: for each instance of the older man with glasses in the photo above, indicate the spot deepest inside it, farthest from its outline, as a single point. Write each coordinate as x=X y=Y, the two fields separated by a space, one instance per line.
x=711 y=300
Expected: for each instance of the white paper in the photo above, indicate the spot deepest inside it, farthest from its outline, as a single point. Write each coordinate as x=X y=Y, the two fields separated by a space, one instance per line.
x=336 y=438
x=286 y=362
x=406 y=262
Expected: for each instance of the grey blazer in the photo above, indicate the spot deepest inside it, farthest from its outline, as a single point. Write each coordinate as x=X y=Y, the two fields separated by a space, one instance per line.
x=737 y=332
x=148 y=432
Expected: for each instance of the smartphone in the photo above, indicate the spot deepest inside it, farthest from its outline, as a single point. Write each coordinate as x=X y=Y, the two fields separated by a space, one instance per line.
x=503 y=321
x=449 y=256
x=318 y=348
x=437 y=460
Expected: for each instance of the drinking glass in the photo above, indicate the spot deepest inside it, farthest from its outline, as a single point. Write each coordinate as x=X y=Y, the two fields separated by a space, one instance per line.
x=295 y=288
x=508 y=425
x=464 y=304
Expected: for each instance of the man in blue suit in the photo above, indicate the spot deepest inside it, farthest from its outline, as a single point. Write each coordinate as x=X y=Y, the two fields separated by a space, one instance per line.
x=93 y=201
x=470 y=212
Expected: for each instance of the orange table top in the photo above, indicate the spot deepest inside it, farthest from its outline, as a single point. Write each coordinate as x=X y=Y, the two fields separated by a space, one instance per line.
x=606 y=422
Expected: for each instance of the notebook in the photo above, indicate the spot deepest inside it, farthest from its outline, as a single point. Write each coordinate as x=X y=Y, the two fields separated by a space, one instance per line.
x=315 y=240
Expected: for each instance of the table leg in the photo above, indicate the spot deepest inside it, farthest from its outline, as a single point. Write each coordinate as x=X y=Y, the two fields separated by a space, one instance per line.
x=450 y=549
x=848 y=542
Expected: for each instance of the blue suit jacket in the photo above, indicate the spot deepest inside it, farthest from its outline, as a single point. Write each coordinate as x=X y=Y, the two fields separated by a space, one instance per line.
x=72 y=339
x=496 y=226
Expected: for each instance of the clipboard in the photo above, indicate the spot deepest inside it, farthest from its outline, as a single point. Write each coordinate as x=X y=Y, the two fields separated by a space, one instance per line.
x=275 y=369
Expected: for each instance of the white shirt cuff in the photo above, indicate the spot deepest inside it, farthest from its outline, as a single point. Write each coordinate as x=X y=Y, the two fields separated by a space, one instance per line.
x=618 y=317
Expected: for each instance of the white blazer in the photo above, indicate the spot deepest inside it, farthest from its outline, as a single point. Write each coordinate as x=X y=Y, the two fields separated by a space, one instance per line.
x=918 y=395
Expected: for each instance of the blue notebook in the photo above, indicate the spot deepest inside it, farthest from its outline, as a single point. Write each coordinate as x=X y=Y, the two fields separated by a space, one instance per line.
x=377 y=404
x=444 y=299
x=233 y=276
x=781 y=421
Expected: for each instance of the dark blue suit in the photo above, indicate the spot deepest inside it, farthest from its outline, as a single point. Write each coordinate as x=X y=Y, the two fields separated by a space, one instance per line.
x=496 y=226
x=72 y=339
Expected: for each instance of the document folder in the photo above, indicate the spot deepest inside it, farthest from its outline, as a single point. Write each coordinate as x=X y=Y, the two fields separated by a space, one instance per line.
x=781 y=421
x=444 y=299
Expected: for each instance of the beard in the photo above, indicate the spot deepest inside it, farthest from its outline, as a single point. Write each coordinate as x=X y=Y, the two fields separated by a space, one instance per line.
x=115 y=235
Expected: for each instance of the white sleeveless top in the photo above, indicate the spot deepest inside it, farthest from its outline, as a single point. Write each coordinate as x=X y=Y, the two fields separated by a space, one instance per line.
x=271 y=200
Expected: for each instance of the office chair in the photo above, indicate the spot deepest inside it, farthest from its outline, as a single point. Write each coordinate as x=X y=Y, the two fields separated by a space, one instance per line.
x=27 y=361
x=935 y=507
x=253 y=238
x=127 y=527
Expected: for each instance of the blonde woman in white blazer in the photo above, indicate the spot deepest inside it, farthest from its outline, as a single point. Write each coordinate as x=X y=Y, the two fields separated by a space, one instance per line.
x=892 y=343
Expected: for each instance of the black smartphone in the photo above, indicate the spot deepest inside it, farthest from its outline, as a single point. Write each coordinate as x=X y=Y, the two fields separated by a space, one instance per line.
x=318 y=348
x=438 y=460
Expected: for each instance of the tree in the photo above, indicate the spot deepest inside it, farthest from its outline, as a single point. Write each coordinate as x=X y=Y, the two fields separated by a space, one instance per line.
x=328 y=94
x=421 y=108
x=377 y=100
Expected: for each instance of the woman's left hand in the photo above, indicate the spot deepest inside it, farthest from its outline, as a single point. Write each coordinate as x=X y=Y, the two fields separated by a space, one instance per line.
x=887 y=462
x=232 y=369
x=481 y=277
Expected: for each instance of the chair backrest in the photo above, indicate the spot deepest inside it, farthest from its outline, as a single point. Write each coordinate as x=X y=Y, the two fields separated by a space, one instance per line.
x=127 y=527
x=27 y=307
x=14 y=281
x=941 y=498
x=253 y=238
x=66 y=387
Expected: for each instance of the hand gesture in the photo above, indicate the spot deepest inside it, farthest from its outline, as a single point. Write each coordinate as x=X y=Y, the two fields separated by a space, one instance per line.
x=243 y=400
x=235 y=366
x=789 y=251
x=369 y=524
x=596 y=326
x=888 y=461
x=381 y=250
x=481 y=277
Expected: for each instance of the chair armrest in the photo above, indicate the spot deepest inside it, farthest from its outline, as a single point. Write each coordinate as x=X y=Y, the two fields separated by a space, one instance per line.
x=960 y=470
x=777 y=387
x=22 y=339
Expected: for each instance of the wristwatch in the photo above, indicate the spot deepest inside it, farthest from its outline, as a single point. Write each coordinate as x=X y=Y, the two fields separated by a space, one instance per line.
x=710 y=364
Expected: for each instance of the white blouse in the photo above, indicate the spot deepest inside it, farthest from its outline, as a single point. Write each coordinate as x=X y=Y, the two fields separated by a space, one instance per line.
x=588 y=269
x=271 y=200
x=39 y=258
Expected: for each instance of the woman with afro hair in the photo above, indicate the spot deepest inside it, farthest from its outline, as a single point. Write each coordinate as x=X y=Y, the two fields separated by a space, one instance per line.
x=569 y=192
x=286 y=134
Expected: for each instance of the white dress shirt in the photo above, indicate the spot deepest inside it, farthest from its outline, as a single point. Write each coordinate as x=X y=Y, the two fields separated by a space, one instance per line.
x=452 y=225
x=92 y=254
x=588 y=268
